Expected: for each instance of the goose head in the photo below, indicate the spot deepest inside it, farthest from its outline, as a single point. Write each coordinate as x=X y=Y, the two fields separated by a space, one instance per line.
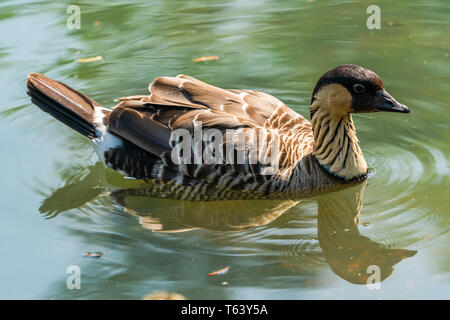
x=353 y=89
x=340 y=92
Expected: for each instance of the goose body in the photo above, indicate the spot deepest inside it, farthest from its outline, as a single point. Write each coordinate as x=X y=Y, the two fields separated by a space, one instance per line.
x=281 y=153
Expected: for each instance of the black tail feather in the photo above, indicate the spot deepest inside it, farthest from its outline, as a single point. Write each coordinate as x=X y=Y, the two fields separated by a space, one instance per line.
x=67 y=105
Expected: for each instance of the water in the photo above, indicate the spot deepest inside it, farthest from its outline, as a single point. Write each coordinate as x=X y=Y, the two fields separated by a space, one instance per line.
x=56 y=200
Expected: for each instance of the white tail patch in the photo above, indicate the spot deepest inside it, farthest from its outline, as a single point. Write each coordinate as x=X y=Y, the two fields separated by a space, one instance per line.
x=104 y=140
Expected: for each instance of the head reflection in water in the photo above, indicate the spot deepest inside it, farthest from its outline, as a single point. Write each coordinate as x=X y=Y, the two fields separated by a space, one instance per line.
x=348 y=253
x=345 y=250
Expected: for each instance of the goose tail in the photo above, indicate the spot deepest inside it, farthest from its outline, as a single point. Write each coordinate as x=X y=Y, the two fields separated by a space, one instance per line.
x=67 y=105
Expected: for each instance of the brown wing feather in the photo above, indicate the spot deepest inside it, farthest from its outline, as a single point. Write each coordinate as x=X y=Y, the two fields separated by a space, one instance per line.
x=252 y=108
x=179 y=102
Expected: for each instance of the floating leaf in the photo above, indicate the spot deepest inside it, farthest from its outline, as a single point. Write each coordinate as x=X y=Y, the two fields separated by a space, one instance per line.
x=95 y=255
x=162 y=295
x=208 y=58
x=92 y=59
x=219 y=272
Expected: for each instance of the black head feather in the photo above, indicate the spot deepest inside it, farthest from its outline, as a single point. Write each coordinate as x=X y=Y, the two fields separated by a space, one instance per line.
x=352 y=77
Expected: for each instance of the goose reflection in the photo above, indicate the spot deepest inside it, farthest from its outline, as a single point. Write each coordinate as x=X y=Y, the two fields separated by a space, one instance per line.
x=349 y=253
x=178 y=216
x=346 y=251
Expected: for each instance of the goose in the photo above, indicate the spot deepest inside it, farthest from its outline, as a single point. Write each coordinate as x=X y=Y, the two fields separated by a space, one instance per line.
x=290 y=156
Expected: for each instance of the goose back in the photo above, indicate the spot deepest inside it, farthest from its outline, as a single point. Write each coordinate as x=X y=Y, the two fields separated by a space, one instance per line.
x=147 y=123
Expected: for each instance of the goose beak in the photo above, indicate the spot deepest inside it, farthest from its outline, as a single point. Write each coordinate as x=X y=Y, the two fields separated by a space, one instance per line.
x=386 y=102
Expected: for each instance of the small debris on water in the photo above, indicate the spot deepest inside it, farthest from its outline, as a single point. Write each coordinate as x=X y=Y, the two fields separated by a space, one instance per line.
x=208 y=58
x=91 y=59
x=162 y=295
x=94 y=255
x=219 y=272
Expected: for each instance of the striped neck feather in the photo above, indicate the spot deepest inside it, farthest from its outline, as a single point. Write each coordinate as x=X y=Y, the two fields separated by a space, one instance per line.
x=336 y=146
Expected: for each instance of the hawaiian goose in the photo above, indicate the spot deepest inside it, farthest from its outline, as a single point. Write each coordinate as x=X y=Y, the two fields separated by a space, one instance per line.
x=263 y=148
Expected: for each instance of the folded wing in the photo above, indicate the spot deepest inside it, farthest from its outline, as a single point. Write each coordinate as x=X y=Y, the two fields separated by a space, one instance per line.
x=183 y=102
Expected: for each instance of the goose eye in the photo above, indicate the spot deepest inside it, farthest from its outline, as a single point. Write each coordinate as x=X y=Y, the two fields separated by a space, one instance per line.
x=359 y=88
